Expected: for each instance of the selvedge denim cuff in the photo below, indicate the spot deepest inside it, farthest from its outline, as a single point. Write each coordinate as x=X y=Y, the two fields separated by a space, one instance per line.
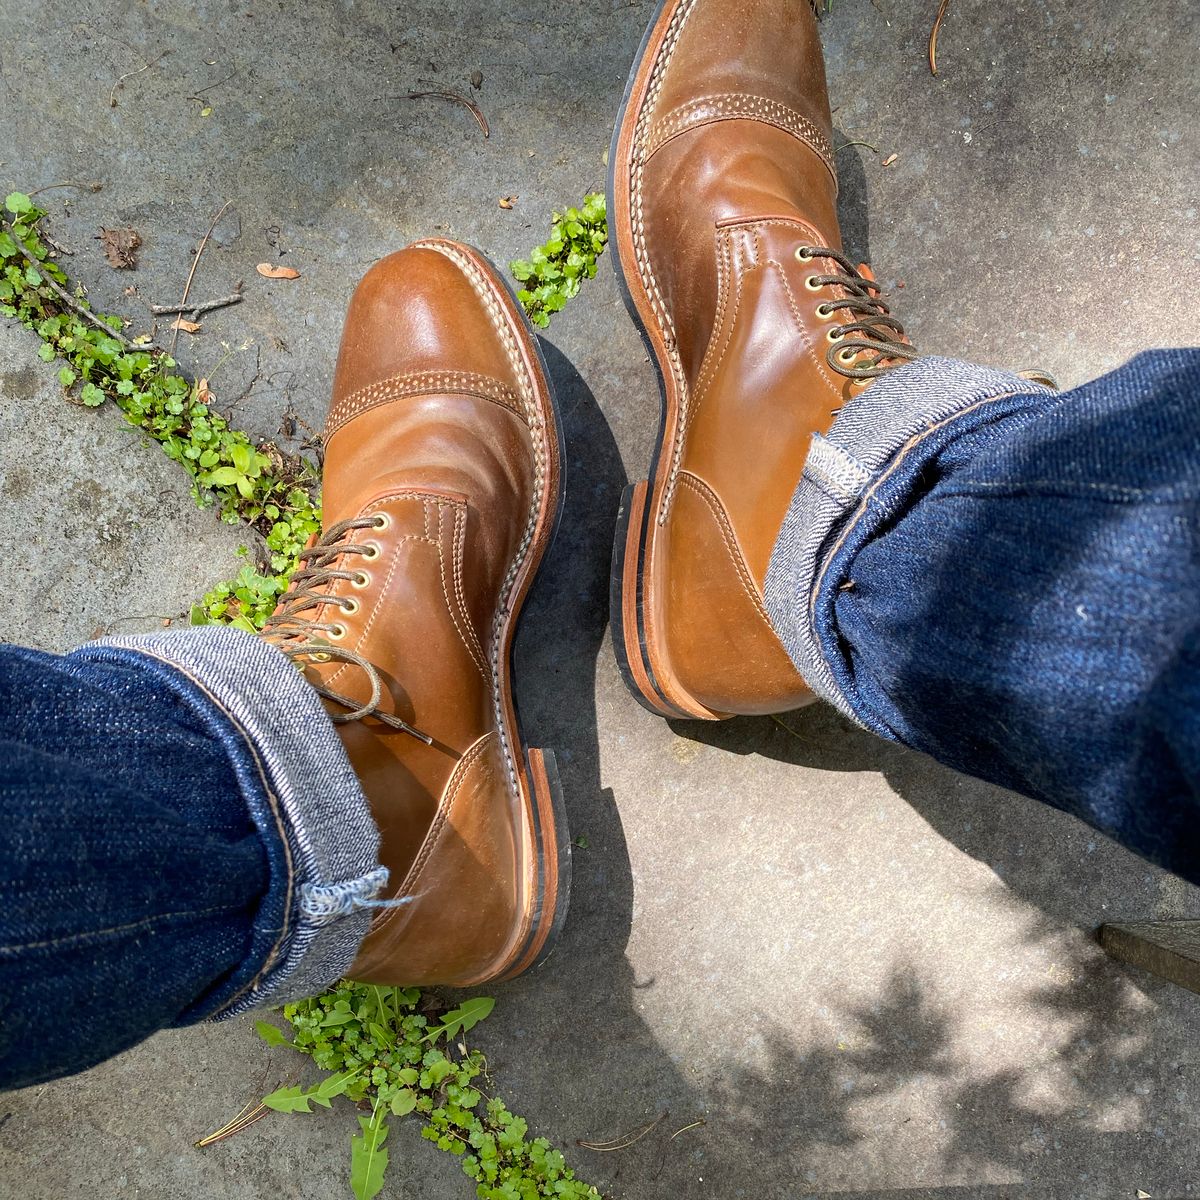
x=910 y=412
x=299 y=787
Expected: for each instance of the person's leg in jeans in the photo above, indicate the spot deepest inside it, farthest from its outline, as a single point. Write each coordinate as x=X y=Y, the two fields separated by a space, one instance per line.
x=1008 y=579
x=202 y=822
x=973 y=564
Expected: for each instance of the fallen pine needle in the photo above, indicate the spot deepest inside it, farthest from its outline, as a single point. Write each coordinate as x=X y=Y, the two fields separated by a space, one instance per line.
x=626 y=1139
x=455 y=98
x=251 y=1112
x=693 y=1125
x=933 y=35
x=847 y=145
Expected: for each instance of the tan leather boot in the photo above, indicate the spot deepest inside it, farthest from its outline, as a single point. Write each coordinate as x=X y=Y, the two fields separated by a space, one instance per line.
x=441 y=489
x=722 y=204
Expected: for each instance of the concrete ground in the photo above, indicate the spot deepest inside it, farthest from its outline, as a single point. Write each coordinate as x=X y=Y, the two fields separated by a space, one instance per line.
x=867 y=975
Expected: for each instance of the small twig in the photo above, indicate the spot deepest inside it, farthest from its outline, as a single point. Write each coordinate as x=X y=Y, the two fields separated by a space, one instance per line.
x=693 y=1125
x=933 y=35
x=55 y=245
x=163 y=310
x=847 y=145
x=112 y=96
x=454 y=98
x=93 y=186
x=197 y=94
x=70 y=300
x=625 y=1140
x=187 y=287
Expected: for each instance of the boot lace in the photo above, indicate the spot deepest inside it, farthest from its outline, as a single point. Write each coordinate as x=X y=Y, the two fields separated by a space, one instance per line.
x=300 y=637
x=872 y=331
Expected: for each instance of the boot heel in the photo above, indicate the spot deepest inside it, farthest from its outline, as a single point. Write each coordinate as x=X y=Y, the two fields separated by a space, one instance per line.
x=625 y=604
x=553 y=844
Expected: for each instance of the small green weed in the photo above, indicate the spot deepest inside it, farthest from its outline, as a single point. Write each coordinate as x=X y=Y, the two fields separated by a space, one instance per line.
x=274 y=493
x=383 y=1054
x=553 y=272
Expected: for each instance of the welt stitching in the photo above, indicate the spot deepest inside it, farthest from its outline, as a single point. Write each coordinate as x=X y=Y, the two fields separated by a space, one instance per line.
x=731 y=545
x=639 y=158
x=485 y=289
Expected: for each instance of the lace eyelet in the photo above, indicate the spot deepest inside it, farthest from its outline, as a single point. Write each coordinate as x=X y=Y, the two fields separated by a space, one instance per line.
x=337 y=632
x=835 y=335
x=361 y=580
x=846 y=354
x=382 y=520
x=349 y=605
x=321 y=657
x=371 y=552
x=803 y=253
x=824 y=312
x=812 y=284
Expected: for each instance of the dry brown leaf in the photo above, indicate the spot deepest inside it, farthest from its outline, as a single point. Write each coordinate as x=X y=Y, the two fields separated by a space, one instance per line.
x=270 y=271
x=186 y=326
x=120 y=247
x=891 y=158
x=203 y=392
x=508 y=201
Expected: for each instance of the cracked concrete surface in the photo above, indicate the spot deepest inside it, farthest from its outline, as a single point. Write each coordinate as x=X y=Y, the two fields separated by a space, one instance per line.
x=868 y=975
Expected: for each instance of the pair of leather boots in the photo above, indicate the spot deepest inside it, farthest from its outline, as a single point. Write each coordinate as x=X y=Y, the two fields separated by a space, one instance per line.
x=443 y=480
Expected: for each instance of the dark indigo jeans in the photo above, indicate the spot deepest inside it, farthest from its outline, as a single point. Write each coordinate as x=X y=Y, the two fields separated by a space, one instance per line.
x=1004 y=577
x=1008 y=579
x=132 y=874
x=181 y=837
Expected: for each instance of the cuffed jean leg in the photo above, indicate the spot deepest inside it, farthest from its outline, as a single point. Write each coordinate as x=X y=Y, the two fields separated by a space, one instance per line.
x=1009 y=580
x=184 y=839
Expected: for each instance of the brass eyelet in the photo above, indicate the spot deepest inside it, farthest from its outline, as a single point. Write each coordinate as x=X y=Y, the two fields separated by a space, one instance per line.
x=812 y=284
x=349 y=605
x=824 y=312
x=371 y=552
x=835 y=334
x=846 y=354
x=361 y=580
x=382 y=520
x=321 y=657
x=803 y=253
x=337 y=632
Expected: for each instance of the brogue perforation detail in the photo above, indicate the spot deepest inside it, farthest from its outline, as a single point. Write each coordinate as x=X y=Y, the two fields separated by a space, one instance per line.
x=422 y=383
x=733 y=106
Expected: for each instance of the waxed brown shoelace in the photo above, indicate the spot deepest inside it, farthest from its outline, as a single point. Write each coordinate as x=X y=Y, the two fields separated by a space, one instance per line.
x=299 y=638
x=873 y=331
